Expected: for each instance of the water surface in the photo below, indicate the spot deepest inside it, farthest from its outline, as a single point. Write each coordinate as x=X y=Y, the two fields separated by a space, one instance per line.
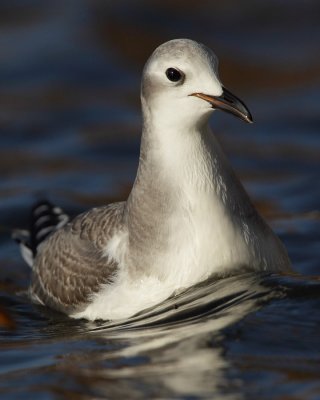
x=70 y=130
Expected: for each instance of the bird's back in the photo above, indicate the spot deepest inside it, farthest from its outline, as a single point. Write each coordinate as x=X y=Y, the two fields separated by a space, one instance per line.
x=72 y=264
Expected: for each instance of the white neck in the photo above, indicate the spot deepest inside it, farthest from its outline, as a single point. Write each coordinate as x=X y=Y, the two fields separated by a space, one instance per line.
x=195 y=217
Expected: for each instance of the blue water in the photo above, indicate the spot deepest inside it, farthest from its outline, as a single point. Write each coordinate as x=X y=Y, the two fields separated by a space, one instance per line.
x=70 y=130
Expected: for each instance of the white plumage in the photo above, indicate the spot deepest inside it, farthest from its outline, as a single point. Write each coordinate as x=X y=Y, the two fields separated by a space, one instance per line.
x=187 y=217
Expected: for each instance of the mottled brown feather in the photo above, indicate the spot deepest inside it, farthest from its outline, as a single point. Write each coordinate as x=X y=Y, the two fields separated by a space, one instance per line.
x=72 y=263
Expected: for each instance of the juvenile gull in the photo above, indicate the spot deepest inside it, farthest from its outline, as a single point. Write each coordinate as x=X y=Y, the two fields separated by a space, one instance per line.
x=187 y=216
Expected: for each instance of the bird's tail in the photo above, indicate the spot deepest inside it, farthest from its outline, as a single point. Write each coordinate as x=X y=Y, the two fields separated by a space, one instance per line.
x=45 y=218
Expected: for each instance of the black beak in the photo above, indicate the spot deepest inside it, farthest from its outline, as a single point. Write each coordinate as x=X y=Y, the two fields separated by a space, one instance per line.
x=227 y=102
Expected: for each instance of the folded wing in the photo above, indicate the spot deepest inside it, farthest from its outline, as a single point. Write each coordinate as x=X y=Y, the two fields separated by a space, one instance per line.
x=72 y=264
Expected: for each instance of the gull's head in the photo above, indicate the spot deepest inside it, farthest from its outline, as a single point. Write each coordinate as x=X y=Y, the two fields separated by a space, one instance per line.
x=180 y=82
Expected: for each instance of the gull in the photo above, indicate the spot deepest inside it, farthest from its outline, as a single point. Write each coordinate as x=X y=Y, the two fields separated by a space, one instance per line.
x=187 y=217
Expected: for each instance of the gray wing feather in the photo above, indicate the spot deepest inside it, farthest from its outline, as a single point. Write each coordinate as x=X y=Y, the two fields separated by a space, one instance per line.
x=71 y=264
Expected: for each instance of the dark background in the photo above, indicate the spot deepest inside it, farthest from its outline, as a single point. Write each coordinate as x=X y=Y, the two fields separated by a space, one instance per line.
x=70 y=119
x=70 y=109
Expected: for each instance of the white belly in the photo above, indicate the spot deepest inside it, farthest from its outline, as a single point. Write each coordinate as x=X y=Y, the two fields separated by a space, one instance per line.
x=205 y=241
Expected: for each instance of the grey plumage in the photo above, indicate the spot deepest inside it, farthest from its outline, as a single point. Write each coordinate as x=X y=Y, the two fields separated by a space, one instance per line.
x=187 y=216
x=71 y=265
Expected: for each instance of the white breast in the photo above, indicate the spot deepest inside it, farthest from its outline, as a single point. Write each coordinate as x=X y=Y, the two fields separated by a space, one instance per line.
x=205 y=237
x=209 y=233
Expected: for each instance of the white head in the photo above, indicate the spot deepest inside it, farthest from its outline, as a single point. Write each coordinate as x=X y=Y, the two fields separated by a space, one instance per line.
x=180 y=85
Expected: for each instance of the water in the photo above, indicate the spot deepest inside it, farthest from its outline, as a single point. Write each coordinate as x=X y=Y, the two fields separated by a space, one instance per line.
x=70 y=126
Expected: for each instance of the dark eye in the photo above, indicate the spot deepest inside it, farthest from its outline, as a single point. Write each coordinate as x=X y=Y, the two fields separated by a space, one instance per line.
x=173 y=75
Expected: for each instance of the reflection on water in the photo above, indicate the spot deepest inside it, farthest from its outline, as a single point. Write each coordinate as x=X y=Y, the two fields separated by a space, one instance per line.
x=177 y=348
x=70 y=123
x=195 y=344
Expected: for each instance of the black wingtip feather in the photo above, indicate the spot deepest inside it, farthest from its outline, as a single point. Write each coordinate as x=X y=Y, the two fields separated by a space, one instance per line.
x=45 y=218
